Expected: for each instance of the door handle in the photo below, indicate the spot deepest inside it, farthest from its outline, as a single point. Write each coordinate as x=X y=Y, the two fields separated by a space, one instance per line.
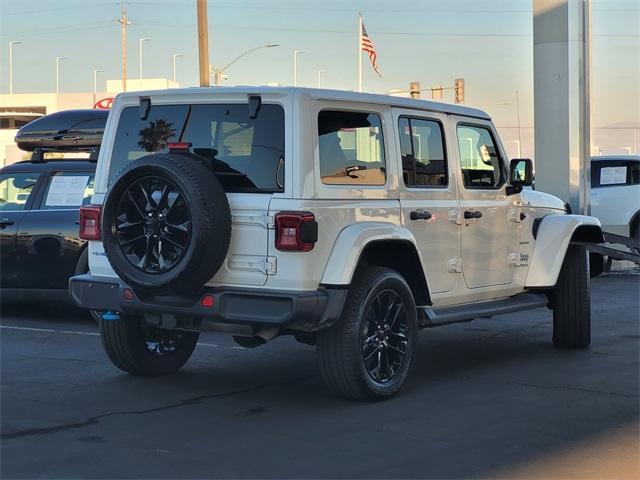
x=420 y=215
x=469 y=214
x=5 y=222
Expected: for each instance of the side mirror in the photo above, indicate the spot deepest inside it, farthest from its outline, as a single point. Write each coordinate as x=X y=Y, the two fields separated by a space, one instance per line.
x=521 y=172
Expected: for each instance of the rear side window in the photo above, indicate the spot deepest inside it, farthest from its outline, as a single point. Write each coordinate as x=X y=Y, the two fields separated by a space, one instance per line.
x=423 y=158
x=351 y=148
x=15 y=189
x=68 y=190
x=246 y=154
x=479 y=158
x=612 y=173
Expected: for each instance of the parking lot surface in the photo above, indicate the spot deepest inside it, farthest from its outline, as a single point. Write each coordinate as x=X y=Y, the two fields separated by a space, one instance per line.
x=490 y=398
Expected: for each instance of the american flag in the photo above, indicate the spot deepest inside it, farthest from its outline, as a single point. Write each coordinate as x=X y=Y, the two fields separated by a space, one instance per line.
x=367 y=46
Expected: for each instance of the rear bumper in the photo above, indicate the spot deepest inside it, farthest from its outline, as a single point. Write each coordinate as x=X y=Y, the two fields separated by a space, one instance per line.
x=298 y=310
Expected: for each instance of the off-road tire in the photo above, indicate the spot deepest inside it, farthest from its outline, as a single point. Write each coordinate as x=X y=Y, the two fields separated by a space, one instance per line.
x=339 y=347
x=572 y=301
x=210 y=216
x=125 y=343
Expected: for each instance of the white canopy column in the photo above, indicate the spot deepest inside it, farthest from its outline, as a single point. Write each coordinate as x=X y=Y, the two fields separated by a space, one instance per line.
x=561 y=59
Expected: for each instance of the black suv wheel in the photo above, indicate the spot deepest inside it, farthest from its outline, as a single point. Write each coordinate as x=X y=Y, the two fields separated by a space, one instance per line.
x=166 y=224
x=138 y=348
x=572 y=301
x=367 y=354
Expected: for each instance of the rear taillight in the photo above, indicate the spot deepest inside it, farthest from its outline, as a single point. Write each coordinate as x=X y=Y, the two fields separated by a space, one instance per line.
x=90 y=222
x=296 y=231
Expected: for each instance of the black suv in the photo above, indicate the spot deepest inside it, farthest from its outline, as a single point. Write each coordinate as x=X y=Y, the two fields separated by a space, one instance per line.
x=40 y=201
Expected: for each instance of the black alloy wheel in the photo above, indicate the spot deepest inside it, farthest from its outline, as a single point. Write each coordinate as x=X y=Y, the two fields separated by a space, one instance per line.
x=367 y=354
x=153 y=226
x=384 y=336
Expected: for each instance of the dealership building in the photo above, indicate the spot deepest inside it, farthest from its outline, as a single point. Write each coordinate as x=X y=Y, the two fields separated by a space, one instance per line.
x=18 y=109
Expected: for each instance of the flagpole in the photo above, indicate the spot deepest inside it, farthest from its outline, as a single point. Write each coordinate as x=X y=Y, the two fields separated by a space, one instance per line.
x=359 y=52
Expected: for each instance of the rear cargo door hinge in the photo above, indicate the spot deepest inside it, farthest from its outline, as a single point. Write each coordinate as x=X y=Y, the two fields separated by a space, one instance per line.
x=454 y=265
x=271 y=266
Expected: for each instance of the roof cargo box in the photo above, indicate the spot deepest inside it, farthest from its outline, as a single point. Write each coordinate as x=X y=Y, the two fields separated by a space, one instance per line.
x=68 y=130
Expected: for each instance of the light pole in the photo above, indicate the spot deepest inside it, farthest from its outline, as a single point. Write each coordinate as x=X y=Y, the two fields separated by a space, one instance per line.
x=320 y=72
x=175 y=55
x=142 y=40
x=218 y=72
x=95 y=84
x=295 y=67
x=11 y=44
x=58 y=60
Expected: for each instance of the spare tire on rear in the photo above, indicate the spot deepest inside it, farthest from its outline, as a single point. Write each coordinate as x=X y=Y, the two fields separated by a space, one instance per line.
x=166 y=224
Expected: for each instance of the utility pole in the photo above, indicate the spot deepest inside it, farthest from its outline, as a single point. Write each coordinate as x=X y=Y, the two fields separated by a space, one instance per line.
x=124 y=23
x=203 y=43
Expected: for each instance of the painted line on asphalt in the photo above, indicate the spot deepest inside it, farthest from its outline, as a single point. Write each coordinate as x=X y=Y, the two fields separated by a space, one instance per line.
x=78 y=332
x=49 y=330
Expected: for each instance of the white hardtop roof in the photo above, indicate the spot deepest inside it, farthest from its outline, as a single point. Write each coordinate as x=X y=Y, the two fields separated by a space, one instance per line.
x=320 y=94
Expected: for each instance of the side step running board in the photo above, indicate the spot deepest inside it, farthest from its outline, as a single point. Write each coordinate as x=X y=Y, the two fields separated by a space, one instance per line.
x=436 y=316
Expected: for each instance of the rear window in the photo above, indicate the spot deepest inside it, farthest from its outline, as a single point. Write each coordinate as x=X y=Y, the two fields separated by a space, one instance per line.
x=246 y=154
x=612 y=173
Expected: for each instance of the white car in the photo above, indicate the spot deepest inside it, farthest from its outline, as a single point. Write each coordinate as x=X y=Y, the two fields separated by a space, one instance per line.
x=348 y=220
x=615 y=194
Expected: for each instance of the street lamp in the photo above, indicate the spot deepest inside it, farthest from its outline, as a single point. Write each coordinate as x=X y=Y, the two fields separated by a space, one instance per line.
x=11 y=44
x=142 y=40
x=95 y=84
x=218 y=72
x=320 y=72
x=295 y=67
x=58 y=60
x=175 y=55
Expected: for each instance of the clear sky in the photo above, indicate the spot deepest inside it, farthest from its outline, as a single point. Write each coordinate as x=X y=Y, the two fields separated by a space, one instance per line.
x=488 y=42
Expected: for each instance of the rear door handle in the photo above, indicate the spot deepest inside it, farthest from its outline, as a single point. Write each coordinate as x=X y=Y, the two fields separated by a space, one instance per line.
x=420 y=215
x=469 y=214
x=5 y=222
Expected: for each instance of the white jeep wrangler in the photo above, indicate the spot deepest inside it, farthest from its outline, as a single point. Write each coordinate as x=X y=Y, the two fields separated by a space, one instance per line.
x=348 y=220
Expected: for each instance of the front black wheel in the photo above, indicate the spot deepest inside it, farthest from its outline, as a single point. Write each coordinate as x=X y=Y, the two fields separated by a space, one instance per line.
x=367 y=354
x=572 y=301
x=140 y=349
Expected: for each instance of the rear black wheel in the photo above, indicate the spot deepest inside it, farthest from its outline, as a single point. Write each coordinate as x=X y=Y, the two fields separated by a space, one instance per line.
x=367 y=354
x=140 y=349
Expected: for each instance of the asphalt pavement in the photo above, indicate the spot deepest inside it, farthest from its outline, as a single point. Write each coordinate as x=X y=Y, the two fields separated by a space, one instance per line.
x=486 y=399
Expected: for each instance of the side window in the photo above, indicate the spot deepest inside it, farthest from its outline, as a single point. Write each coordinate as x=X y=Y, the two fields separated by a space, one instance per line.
x=423 y=158
x=611 y=173
x=479 y=158
x=15 y=189
x=351 y=148
x=68 y=190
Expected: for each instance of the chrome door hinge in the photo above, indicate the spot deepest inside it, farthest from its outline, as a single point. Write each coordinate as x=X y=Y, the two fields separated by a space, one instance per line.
x=454 y=265
x=455 y=216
